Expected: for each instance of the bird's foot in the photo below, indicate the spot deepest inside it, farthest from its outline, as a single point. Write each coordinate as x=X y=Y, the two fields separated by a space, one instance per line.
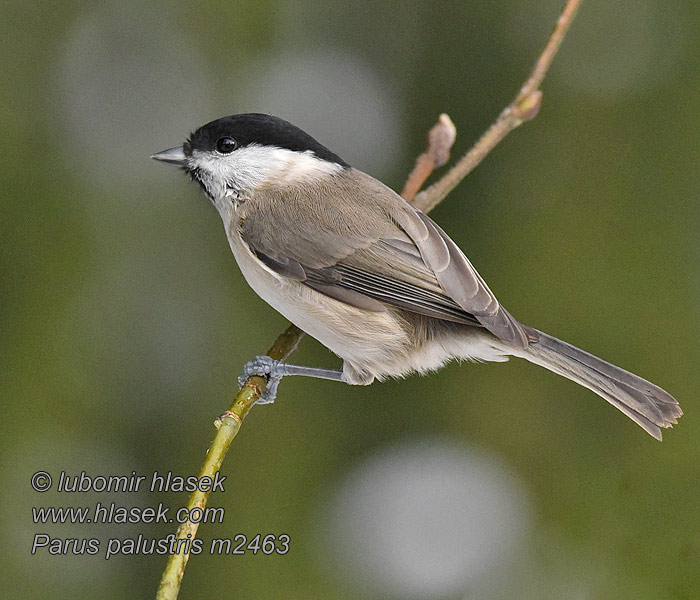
x=269 y=368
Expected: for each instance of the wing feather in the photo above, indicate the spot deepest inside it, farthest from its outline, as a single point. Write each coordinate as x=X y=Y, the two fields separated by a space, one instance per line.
x=393 y=256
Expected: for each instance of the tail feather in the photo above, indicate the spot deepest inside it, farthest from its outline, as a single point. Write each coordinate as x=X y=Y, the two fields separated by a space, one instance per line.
x=645 y=403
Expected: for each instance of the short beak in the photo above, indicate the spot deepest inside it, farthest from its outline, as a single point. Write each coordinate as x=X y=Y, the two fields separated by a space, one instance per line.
x=174 y=156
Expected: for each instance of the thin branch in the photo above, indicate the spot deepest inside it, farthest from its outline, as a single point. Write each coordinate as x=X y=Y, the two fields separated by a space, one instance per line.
x=228 y=425
x=440 y=140
x=525 y=107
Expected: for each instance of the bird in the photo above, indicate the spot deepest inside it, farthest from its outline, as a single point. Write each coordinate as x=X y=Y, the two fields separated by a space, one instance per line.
x=374 y=279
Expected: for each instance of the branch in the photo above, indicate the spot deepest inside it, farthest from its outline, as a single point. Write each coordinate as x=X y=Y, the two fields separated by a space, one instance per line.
x=228 y=425
x=525 y=107
x=440 y=140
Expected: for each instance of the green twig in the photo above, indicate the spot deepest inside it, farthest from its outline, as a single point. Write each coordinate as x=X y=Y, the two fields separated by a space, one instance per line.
x=228 y=426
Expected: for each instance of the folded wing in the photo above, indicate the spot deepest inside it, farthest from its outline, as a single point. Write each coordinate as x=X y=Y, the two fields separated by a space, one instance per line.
x=385 y=254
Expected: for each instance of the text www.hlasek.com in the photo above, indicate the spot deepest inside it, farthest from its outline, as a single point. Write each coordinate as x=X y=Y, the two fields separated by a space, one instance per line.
x=112 y=513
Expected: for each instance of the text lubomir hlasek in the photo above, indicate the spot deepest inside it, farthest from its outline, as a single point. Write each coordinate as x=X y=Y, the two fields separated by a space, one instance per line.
x=166 y=482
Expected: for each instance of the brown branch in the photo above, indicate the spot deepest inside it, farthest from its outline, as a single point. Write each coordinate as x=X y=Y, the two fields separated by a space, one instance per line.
x=440 y=140
x=525 y=107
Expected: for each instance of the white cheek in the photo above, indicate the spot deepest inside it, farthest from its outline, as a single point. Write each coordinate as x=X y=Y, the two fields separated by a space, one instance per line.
x=248 y=168
x=220 y=172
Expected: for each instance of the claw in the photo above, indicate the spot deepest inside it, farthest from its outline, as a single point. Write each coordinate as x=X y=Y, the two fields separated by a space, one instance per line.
x=270 y=369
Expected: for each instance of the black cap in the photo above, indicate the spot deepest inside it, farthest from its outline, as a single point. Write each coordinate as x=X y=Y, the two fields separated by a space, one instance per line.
x=261 y=129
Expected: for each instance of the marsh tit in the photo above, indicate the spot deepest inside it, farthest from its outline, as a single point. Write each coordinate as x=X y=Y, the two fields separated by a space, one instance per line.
x=376 y=281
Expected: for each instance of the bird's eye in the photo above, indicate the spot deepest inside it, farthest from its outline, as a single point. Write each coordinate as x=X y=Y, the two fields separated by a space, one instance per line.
x=226 y=145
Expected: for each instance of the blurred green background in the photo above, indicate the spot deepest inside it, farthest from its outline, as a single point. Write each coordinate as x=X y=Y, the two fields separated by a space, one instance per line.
x=125 y=320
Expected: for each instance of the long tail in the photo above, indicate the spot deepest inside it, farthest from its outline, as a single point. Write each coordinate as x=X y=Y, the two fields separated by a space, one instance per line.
x=643 y=402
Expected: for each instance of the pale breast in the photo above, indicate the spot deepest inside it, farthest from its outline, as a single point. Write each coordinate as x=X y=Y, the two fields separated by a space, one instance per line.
x=365 y=338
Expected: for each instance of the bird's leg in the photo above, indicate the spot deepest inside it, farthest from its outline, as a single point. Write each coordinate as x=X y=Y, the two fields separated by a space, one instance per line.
x=274 y=370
